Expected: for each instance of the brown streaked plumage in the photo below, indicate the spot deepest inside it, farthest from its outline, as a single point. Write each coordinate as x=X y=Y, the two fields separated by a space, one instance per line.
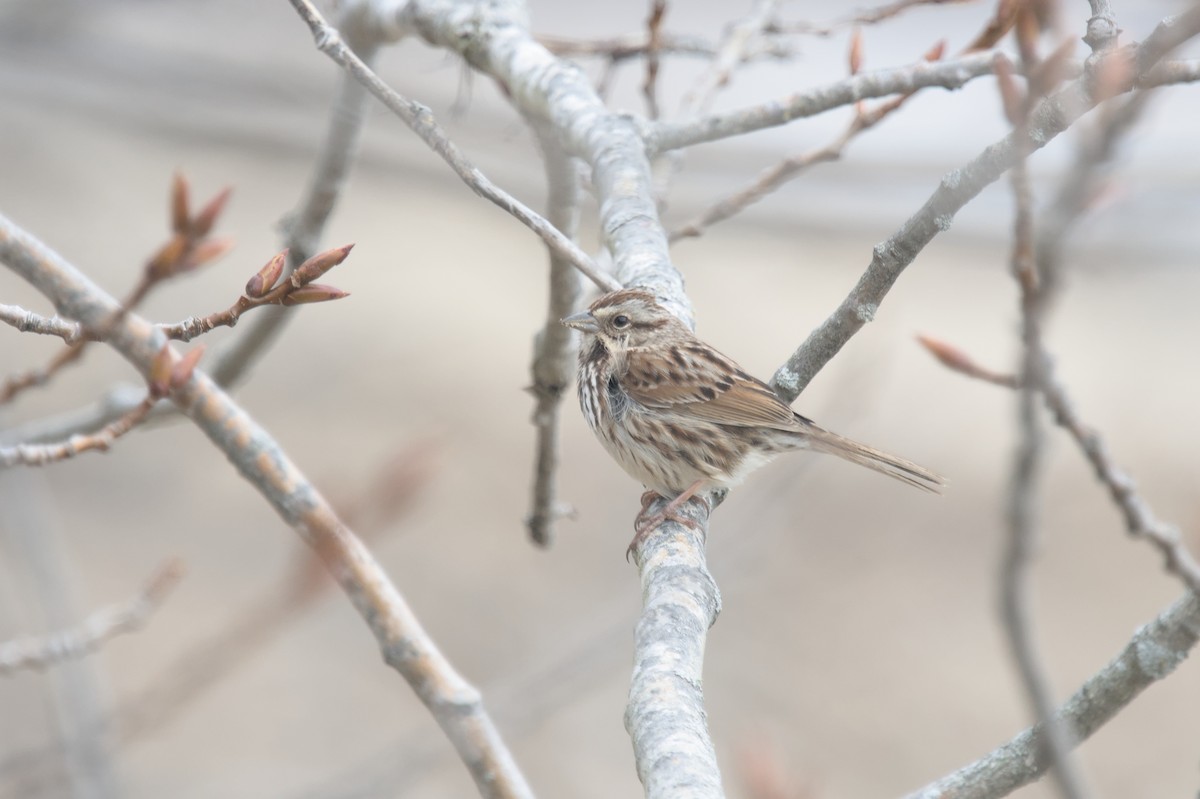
x=681 y=417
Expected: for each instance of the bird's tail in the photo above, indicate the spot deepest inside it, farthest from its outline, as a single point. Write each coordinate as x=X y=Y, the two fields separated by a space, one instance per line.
x=905 y=471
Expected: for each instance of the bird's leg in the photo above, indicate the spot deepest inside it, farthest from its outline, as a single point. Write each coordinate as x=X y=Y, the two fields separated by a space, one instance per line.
x=643 y=524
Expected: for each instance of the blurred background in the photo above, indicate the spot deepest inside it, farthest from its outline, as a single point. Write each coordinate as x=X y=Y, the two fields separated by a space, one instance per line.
x=858 y=653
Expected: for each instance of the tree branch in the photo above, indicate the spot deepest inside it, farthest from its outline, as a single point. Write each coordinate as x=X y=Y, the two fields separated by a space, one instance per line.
x=1153 y=652
x=890 y=258
x=454 y=704
x=665 y=716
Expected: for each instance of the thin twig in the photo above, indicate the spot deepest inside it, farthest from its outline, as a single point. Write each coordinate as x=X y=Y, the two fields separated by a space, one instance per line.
x=101 y=440
x=420 y=120
x=869 y=17
x=637 y=44
x=658 y=10
x=43 y=652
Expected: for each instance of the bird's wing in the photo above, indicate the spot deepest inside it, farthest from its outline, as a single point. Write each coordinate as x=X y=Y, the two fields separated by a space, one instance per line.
x=695 y=380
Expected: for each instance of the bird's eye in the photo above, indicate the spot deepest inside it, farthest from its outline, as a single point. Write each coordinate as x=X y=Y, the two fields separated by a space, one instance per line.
x=620 y=321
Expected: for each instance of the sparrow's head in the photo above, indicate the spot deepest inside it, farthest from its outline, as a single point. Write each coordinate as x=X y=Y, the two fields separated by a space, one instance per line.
x=626 y=319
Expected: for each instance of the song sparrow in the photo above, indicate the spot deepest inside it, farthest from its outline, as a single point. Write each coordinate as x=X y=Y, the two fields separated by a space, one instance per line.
x=681 y=417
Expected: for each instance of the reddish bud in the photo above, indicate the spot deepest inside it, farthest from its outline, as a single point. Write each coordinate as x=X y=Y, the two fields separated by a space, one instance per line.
x=1010 y=93
x=319 y=264
x=166 y=261
x=998 y=25
x=182 y=371
x=160 y=372
x=856 y=48
x=313 y=292
x=205 y=251
x=204 y=221
x=936 y=52
x=949 y=355
x=1028 y=31
x=179 y=203
x=266 y=278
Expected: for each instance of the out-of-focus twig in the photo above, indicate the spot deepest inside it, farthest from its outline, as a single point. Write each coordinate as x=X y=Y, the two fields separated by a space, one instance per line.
x=658 y=10
x=1151 y=654
x=1016 y=562
x=553 y=367
x=787 y=169
x=698 y=99
x=868 y=17
x=635 y=45
x=45 y=651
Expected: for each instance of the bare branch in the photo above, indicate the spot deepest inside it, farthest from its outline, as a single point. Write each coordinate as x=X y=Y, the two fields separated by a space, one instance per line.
x=455 y=704
x=662 y=136
x=130 y=616
x=421 y=121
x=1153 y=652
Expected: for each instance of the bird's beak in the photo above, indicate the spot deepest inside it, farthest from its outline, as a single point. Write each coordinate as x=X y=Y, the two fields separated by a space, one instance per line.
x=582 y=321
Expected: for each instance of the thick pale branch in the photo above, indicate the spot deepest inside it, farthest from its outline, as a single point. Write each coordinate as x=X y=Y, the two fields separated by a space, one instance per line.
x=454 y=703
x=493 y=38
x=665 y=716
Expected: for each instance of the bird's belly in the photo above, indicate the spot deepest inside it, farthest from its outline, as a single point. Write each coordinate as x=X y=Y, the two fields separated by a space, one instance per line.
x=668 y=455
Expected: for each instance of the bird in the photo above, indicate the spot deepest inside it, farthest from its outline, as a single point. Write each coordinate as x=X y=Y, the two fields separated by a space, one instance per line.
x=682 y=418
